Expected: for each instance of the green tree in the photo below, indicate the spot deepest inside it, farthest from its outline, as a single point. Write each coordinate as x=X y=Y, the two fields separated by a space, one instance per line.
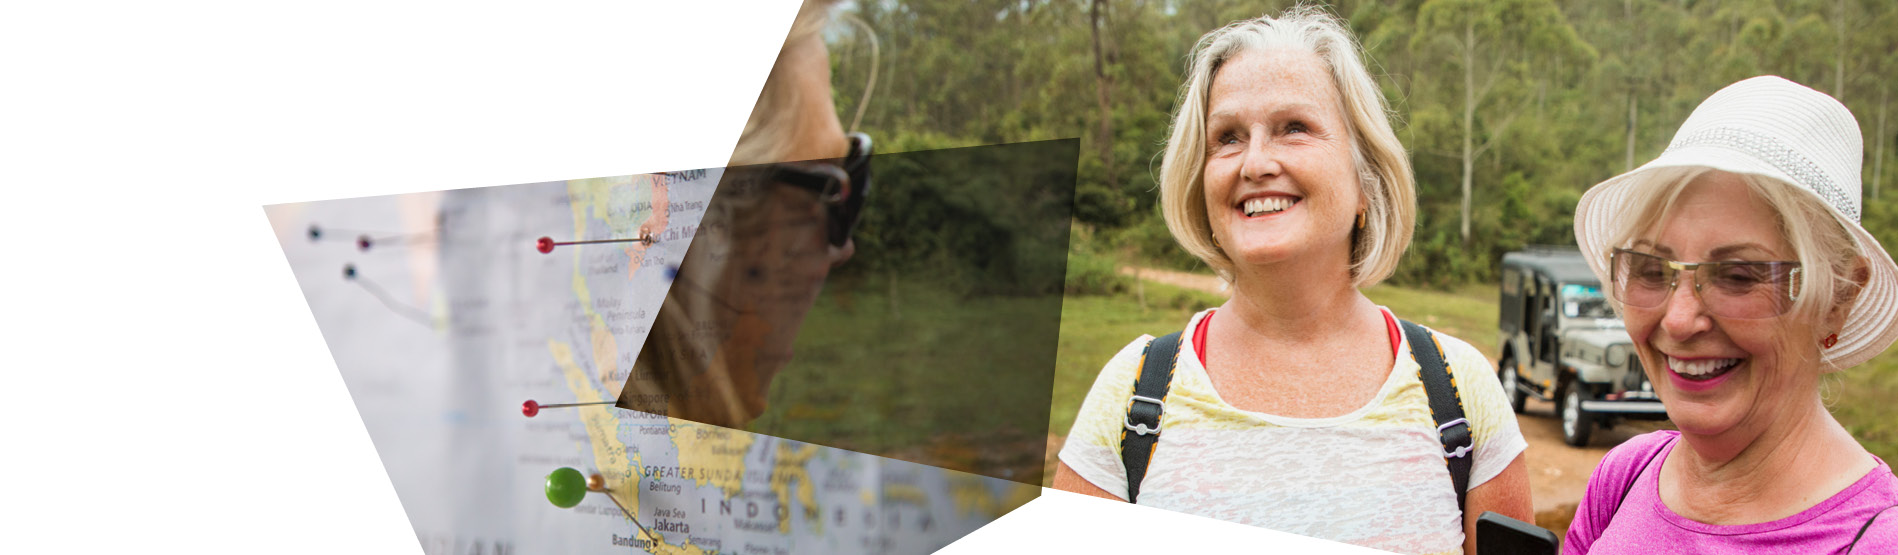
x=1490 y=43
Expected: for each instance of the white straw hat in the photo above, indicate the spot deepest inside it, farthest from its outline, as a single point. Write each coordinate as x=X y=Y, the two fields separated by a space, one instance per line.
x=1770 y=127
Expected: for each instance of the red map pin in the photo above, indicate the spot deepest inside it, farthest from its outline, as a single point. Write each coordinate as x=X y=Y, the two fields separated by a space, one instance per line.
x=531 y=408
x=546 y=244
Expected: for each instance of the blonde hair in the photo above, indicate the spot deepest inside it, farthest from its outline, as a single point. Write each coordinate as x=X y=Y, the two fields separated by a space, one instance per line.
x=1828 y=255
x=774 y=119
x=1384 y=174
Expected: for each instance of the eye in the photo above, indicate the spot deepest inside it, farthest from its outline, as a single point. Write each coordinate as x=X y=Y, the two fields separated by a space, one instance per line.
x=1229 y=138
x=1650 y=275
x=1643 y=269
x=1296 y=127
x=1738 y=277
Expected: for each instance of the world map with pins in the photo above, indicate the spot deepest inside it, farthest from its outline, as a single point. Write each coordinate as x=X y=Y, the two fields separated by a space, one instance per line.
x=481 y=334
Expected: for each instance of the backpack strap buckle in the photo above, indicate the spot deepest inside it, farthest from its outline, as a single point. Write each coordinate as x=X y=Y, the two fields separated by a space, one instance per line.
x=1136 y=411
x=1144 y=408
x=1456 y=439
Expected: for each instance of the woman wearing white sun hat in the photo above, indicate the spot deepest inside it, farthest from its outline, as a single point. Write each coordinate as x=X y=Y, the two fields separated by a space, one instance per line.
x=1757 y=198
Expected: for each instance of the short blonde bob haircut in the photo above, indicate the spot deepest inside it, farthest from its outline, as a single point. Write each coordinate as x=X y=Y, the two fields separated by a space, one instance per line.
x=1384 y=175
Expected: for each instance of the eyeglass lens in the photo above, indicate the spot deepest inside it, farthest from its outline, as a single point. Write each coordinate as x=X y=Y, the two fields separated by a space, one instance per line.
x=1746 y=290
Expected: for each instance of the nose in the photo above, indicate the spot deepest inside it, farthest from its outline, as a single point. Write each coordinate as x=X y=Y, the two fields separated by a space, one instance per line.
x=1686 y=315
x=1261 y=159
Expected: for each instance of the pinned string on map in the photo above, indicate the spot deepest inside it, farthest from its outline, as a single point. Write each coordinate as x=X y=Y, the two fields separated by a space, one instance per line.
x=532 y=408
x=350 y=274
x=366 y=240
x=546 y=244
x=566 y=487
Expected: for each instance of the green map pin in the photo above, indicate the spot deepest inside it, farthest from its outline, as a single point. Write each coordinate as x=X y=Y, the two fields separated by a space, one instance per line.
x=565 y=487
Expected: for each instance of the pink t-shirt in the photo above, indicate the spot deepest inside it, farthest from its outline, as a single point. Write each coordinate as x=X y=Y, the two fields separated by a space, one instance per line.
x=1646 y=526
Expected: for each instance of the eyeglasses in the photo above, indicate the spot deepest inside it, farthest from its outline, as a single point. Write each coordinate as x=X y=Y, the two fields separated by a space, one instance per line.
x=1743 y=290
x=841 y=187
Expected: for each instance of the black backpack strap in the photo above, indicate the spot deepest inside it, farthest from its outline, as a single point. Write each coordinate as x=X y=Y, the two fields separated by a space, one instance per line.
x=1142 y=428
x=1867 y=526
x=1446 y=406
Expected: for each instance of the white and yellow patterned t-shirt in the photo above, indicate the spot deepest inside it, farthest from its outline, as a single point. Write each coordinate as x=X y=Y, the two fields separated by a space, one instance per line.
x=1375 y=477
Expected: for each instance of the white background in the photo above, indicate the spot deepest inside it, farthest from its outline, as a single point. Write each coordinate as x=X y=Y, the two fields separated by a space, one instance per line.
x=165 y=388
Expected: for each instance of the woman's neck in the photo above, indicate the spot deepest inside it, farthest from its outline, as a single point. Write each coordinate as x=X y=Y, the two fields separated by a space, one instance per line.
x=1747 y=477
x=1295 y=301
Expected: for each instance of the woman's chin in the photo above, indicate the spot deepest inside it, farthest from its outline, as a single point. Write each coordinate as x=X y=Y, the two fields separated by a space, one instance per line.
x=1260 y=255
x=1702 y=418
x=1264 y=255
x=1262 y=247
x=1707 y=410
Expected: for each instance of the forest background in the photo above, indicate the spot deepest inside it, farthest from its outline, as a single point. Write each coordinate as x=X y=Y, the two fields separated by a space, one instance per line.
x=1510 y=109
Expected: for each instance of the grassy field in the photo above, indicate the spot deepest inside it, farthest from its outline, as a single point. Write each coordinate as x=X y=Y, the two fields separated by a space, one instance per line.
x=932 y=376
x=895 y=379
x=1093 y=328
x=1865 y=400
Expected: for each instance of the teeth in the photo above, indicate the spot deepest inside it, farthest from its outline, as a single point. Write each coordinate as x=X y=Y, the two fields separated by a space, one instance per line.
x=1267 y=205
x=1700 y=367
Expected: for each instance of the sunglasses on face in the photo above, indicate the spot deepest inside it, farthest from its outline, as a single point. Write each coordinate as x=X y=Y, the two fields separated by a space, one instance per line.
x=1740 y=289
x=841 y=186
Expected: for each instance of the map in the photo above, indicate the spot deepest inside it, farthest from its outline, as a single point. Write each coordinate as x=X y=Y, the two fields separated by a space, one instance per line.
x=444 y=315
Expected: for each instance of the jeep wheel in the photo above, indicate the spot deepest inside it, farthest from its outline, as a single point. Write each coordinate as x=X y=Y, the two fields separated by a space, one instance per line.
x=1512 y=386
x=1577 y=425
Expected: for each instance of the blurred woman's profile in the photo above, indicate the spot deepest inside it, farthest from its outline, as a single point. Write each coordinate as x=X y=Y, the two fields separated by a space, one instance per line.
x=780 y=220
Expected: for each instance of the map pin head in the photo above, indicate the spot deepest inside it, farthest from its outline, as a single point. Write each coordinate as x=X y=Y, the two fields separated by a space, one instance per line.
x=565 y=487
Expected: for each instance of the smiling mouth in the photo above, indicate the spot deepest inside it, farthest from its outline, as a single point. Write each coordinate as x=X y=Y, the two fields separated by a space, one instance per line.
x=1702 y=369
x=1267 y=205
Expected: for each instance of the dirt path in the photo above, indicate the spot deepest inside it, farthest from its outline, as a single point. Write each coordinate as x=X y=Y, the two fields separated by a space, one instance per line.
x=1557 y=472
x=1186 y=280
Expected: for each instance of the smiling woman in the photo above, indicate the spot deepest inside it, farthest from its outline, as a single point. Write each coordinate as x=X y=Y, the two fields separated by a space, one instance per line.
x=1264 y=124
x=1737 y=260
x=1298 y=405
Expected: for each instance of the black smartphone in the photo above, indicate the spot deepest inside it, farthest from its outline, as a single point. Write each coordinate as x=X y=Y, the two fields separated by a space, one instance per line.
x=1500 y=535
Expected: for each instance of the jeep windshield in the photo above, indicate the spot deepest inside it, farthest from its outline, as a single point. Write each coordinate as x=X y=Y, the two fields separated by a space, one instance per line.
x=1584 y=301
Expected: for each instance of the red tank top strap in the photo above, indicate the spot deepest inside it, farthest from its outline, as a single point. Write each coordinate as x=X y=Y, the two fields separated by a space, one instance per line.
x=1397 y=336
x=1199 y=337
x=1199 y=334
